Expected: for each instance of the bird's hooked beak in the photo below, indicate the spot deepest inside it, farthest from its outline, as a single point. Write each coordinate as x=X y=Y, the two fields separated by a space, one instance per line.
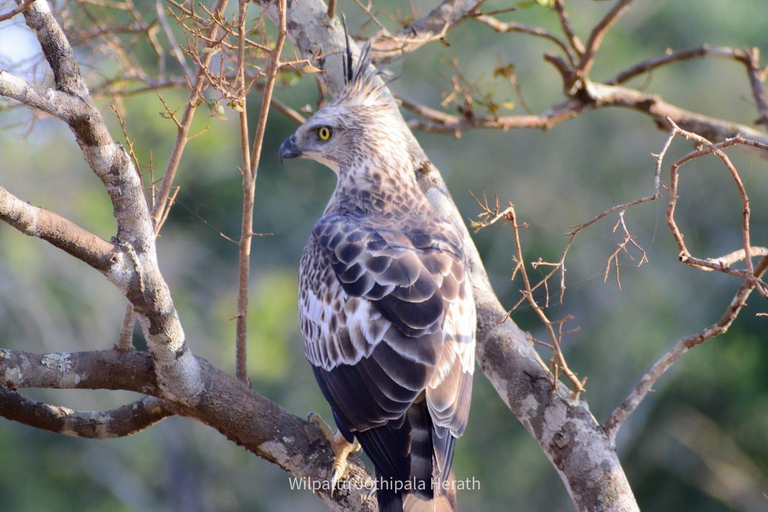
x=288 y=149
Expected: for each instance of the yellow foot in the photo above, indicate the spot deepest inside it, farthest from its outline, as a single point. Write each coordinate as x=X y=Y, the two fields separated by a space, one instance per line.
x=341 y=448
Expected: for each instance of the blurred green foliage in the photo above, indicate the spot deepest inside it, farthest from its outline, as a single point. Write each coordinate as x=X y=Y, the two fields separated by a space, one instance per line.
x=698 y=443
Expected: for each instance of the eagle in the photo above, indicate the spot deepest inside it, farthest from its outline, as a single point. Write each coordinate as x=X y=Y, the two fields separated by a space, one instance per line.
x=385 y=299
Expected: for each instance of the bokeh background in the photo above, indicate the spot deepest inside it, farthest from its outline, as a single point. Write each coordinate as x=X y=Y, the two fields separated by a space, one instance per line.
x=698 y=443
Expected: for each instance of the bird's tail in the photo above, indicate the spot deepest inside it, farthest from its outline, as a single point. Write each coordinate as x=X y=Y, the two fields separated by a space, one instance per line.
x=443 y=499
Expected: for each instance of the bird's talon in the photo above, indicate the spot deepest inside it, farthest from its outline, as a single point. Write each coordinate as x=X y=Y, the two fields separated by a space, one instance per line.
x=340 y=446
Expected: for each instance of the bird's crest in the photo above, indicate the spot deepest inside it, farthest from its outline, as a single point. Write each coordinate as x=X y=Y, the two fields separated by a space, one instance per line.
x=361 y=82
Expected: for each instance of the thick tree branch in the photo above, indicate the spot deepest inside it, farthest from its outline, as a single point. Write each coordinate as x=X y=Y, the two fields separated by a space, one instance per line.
x=123 y=421
x=56 y=230
x=226 y=404
x=749 y=58
x=50 y=101
x=144 y=286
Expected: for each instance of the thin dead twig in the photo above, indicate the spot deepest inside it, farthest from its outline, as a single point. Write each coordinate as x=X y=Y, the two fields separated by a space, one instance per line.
x=621 y=413
x=717 y=149
x=490 y=215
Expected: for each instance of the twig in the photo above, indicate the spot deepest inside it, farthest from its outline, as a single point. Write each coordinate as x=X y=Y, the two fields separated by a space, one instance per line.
x=756 y=78
x=621 y=413
x=190 y=107
x=512 y=26
x=175 y=48
x=251 y=159
x=685 y=255
x=653 y=63
x=491 y=215
x=565 y=24
x=18 y=9
x=597 y=34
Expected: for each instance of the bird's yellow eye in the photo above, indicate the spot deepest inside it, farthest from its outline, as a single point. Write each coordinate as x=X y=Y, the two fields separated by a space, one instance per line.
x=324 y=133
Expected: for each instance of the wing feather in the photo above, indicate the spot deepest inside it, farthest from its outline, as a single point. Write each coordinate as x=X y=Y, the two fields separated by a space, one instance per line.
x=403 y=328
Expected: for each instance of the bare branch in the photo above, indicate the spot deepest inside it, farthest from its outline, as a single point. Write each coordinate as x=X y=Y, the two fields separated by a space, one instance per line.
x=175 y=49
x=512 y=26
x=251 y=159
x=226 y=404
x=596 y=96
x=597 y=34
x=756 y=78
x=123 y=421
x=190 y=107
x=57 y=231
x=651 y=64
x=434 y=26
x=685 y=255
x=750 y=59
x=565 y=25
x=13 y=12
x=620 y=414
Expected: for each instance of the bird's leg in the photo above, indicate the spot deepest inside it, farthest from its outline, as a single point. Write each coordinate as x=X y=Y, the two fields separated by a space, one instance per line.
x=341 y=448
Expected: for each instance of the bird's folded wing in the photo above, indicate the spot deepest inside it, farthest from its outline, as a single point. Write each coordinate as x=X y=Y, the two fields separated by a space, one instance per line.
x=387 y=314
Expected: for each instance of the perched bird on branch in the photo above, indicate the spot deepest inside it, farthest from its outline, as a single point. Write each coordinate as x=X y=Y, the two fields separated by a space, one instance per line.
x=386 y=302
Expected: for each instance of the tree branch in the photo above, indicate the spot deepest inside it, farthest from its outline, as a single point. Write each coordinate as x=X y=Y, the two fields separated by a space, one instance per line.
x=13 y=12
x=121 y=422
x=386 y=48
x=512 y=26
x=621 y=413
x=653 y=63
x=595 y=96
x=144 y=286
x=50 y=101
x=597 y=34
x=57 y=231
x=226 y=404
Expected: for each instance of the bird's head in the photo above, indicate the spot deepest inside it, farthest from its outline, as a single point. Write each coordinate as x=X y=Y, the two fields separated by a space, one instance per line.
x=360 y=124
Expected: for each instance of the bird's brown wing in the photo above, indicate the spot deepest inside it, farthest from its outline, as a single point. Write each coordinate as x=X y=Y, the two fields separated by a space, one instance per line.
x=387 y=315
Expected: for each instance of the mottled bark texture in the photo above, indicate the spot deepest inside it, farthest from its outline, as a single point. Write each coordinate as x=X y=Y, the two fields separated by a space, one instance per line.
x=224 y=403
